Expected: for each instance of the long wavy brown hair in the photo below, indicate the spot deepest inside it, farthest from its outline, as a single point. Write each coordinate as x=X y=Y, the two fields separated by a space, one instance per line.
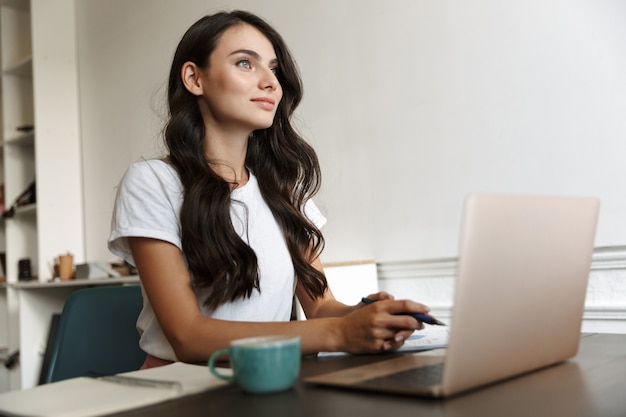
x=285 y=165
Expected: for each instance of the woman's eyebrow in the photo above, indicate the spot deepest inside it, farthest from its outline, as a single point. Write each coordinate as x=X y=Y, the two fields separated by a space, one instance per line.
x=252 y=54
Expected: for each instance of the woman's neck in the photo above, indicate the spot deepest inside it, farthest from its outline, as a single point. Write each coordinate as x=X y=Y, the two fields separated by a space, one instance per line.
x=236 y=177
x=227 y=157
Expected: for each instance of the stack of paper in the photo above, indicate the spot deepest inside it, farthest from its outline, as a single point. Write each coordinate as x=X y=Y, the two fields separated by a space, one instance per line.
x=86 y=397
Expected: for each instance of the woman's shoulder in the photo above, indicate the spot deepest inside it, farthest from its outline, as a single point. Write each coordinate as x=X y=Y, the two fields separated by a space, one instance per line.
x=154 y=166
x=151 y=182
x=150 y=170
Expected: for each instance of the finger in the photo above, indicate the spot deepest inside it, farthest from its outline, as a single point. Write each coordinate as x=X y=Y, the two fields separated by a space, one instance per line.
x=406 y=306
x=383 y=324
x=395 y=343
x=403 y=322
x=403 y=335
x=381 y=295
x=393 y=315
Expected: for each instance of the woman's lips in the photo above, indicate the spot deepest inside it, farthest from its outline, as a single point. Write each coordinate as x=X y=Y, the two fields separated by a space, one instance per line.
x=265 y=103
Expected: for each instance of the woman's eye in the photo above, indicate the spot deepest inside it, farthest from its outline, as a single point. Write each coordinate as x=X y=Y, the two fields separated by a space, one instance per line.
x=274 y=71
x=244 y=63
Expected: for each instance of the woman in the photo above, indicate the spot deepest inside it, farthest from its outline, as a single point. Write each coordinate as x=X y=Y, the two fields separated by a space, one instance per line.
x=223 y=230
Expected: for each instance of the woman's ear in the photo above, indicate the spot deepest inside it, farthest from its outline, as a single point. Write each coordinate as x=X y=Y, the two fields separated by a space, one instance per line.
x=190 y=75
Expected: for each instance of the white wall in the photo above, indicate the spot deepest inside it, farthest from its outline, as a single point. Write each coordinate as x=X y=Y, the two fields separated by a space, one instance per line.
x=432 y=283
x=411 y=104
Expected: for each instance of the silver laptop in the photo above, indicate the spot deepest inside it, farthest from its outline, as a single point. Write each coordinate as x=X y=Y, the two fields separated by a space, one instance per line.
x=519 y=298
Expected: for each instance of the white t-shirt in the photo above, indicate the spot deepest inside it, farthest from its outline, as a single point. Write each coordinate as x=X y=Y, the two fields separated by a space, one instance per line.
x=148 y=204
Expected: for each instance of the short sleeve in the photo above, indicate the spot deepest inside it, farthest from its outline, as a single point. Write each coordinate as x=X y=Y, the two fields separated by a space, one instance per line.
x=314 y=214
x=147 y=204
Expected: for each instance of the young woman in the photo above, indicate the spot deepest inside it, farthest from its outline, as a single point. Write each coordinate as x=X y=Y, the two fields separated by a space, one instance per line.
x=223 y=230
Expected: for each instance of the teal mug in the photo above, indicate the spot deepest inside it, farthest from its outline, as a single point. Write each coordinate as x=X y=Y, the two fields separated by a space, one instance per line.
x=261 y=364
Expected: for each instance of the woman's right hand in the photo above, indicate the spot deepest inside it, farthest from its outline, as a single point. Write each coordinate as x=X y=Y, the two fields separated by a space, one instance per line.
x=380 y=326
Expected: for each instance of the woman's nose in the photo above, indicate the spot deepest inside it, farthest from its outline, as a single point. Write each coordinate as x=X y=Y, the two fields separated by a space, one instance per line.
x=269 y=80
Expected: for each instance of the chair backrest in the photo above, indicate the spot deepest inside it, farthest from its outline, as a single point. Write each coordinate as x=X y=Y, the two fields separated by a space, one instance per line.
x=96 y=334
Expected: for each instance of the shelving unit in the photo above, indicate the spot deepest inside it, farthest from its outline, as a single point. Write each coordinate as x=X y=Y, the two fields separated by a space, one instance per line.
x=18 y=160
x=40 y=143
x=18 y=145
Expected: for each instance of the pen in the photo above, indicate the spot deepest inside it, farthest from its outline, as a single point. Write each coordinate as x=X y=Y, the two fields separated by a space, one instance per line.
x=424 y=318
x=141 y=382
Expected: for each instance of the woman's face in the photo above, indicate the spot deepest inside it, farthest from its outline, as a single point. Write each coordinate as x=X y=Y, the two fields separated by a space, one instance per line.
x=239 y=86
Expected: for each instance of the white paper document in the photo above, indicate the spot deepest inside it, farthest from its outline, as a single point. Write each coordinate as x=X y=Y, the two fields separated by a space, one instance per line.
x=426 y=339
x=420 y=340
x=87 y=397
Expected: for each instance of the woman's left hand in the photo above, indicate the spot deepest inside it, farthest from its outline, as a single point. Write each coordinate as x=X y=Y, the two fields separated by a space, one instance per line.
x=379 y=296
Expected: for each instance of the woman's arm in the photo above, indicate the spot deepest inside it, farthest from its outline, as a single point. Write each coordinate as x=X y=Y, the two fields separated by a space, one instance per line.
x=195 y=337
x=327 y=305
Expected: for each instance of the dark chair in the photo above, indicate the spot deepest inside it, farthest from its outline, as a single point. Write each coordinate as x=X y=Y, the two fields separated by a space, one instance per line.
x=96 y=334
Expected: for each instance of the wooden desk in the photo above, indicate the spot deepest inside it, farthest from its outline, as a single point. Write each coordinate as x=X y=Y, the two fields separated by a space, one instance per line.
x=592 y=384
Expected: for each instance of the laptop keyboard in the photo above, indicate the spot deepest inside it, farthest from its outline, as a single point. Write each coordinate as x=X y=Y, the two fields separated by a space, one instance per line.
x=424 y=376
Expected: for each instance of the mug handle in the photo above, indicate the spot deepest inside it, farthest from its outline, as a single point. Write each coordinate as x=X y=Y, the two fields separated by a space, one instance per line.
x=213 y=358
